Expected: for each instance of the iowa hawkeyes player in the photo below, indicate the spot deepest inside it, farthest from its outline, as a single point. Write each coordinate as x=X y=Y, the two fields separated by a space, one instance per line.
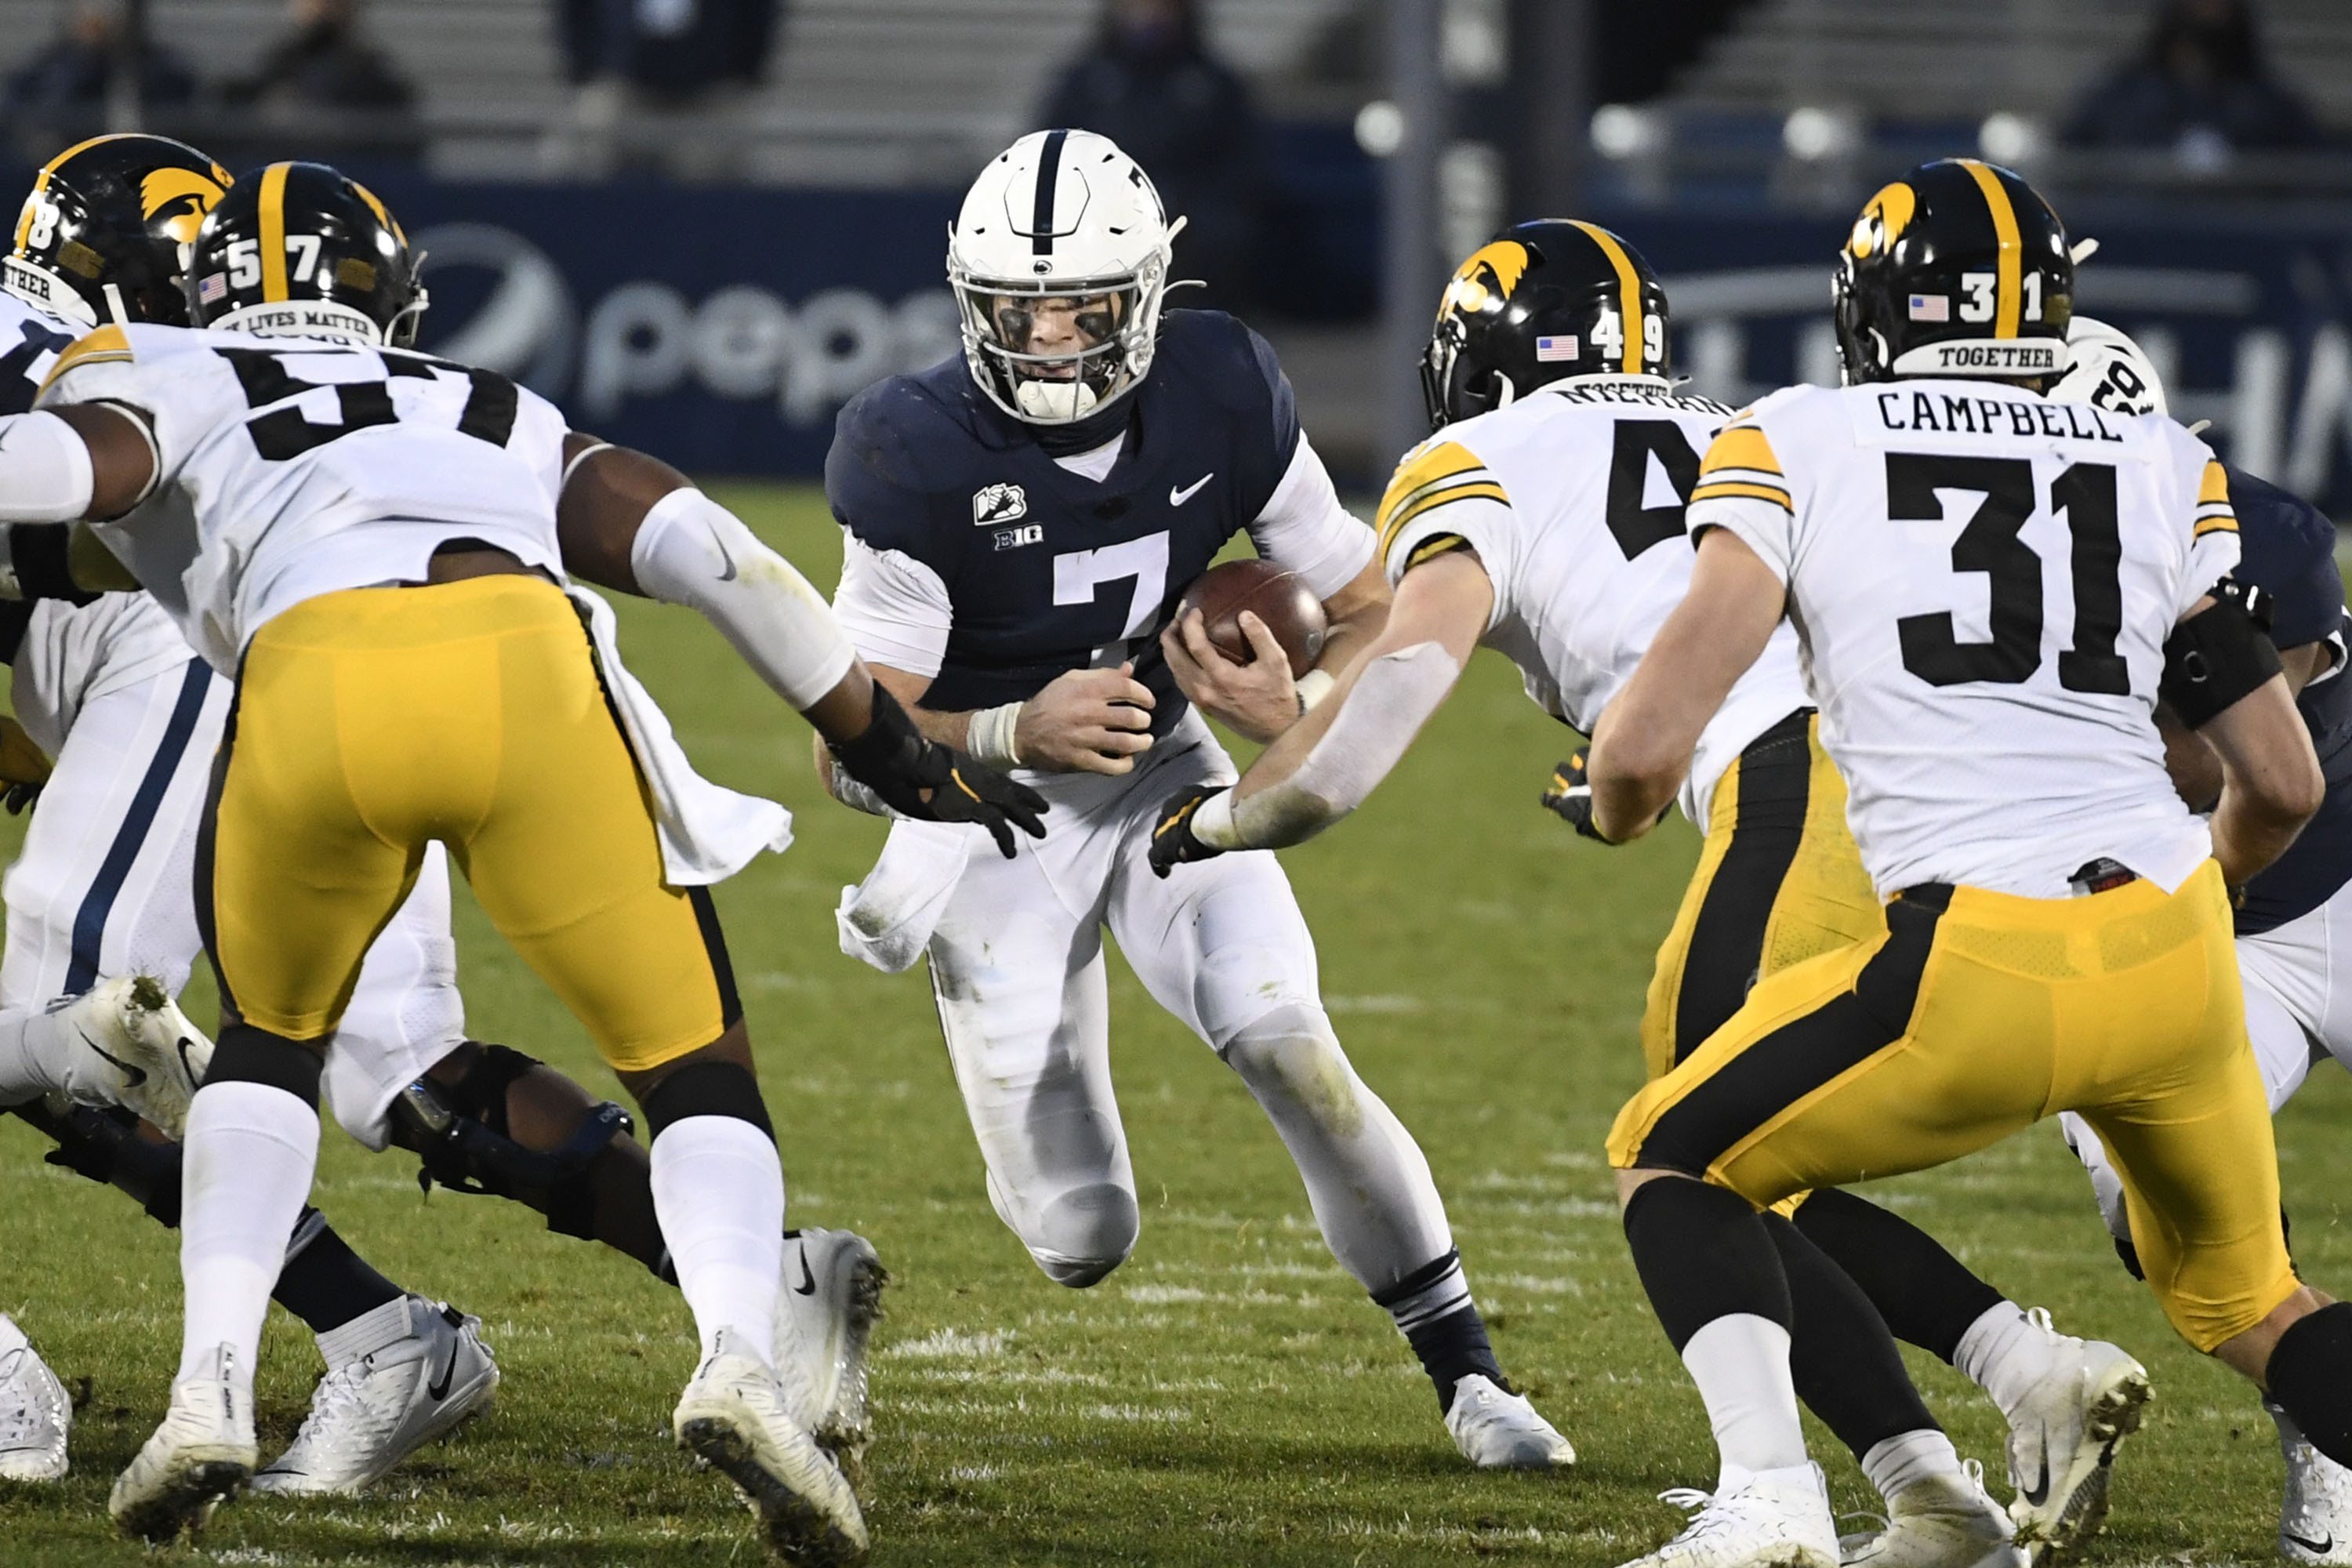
x=1545 y=519
x=1991 y=589
x=376 y=550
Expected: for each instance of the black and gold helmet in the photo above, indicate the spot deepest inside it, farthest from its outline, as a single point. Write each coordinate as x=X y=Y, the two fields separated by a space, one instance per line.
x=114 y=213
x=1957 y=268
x=301 y=250
x=1540 y=302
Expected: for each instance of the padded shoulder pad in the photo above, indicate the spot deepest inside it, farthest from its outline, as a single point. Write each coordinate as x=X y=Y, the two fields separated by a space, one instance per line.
x=894 y=451
x=2287 y=548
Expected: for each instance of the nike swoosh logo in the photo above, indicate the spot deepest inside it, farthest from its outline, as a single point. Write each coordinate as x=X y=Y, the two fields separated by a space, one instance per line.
x=728 y=575
x=807 y=1286
x=186 y=1066
x=438 y=1389
x=1178 y=497
x=131 y=1077
x=2039 y=1492
x=2322 y=1547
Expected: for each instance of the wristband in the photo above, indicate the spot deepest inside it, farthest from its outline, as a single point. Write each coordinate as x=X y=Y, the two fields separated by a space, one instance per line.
x=1213 y=822
x=991 y=735
x=1313 y=686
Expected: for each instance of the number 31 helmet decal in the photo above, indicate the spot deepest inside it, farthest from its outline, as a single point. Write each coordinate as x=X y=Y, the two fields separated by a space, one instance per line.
x=301 y=250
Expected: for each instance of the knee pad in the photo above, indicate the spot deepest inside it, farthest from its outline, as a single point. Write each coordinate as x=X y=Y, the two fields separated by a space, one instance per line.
x=248 y=1054
x=1082 y=1235
x=2310 y=1376
x=706 y=1089
x=1292 y=1054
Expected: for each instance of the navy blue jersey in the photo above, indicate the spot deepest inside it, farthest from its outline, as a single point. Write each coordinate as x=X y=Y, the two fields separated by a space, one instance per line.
x=1048 y=571
x=2288 y=550
x=30 y=342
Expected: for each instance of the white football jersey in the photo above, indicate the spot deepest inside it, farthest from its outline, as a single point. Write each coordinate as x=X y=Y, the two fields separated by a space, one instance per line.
x=289 y=468
x=1573 y=498
x=1983 y=580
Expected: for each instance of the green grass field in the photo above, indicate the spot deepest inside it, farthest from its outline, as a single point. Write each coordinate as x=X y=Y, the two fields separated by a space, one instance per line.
x=1229 y=1396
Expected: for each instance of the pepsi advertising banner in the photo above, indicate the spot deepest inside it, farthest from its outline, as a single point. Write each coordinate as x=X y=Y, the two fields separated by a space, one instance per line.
x=724 y=329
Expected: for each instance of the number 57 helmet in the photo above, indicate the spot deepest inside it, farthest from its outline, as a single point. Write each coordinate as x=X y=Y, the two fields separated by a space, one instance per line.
x=301 y=250
x=1062 y=225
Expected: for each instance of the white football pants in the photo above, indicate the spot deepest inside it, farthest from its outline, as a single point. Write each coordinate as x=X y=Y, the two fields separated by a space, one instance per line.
x=1017 y=968
x=2298 y=983
x=106 y=887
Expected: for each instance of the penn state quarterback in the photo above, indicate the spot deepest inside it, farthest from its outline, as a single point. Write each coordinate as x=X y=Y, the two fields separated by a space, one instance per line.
x=1019 y=524
x=2294 y=917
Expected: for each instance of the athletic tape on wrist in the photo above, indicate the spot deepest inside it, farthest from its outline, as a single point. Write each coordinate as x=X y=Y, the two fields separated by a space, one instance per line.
x=1313 y=686
x=991 y=737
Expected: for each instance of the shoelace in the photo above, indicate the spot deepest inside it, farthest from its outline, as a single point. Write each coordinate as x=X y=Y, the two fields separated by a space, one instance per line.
x=1705 y=1516
x=339 y=1391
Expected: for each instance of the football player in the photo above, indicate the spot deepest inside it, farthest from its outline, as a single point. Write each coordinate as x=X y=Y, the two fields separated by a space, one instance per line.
x=103 y=886
x=1019 y=524
x=1553 y=339
x=1991 y=589
x=2288 y=916
x=374 y=542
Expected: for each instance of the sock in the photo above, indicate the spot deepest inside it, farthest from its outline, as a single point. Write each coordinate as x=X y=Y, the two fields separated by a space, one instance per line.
x=325 y=1283
x=1740 y=1362
x=2310 y=1376
x=371 y=1331
x=1715 y=1280
x=1924 y=1294
x=2289 y=1434
x=251 y=1152
x=2004 y=1353
x=1846 y=1367
x=718 y=1188
x=1904 y=1461
x=33 y=1047
x=1433 y=1310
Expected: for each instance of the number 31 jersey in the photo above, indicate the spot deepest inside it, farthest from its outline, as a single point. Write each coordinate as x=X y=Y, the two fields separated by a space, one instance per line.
x=1983 y=580
x=1574 y=499
x=289 y=468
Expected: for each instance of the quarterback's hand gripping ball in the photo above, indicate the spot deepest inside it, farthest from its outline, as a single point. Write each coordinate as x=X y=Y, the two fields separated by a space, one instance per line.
x=1173 y=841
x=930 y=782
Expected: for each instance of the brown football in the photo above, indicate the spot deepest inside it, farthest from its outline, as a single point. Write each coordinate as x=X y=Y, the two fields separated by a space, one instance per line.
x=1279 y=598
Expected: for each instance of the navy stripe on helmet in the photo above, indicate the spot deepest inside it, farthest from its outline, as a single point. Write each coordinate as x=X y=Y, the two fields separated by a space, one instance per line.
x=1049 y=175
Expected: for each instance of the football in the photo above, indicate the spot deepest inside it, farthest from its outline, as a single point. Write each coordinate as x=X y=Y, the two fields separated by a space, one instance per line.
x=1278 y=597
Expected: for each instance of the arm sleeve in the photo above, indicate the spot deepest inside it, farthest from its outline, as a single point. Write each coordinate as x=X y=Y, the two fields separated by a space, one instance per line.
x=894 y=608
x=1305 y=528
x=2212 y=541
x=1444 y=497
x=1742 y=488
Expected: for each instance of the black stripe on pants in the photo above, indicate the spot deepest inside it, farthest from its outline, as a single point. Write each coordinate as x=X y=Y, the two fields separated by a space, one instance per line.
x=1783 y=1066
x=1727 y=941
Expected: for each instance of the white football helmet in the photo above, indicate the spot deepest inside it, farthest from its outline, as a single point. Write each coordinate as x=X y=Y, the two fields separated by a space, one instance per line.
x=1060 y=215
x=2106 y=370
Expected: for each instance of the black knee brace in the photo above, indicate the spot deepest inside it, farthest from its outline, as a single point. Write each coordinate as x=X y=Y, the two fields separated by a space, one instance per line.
x=105 y=1145
x=250 y=1055
x=706 y=1089
x=460 y=1130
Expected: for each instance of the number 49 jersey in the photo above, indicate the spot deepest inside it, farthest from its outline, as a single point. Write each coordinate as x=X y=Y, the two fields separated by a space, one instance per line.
x=1573 y=498
x=289 y=468
x=1984 y=581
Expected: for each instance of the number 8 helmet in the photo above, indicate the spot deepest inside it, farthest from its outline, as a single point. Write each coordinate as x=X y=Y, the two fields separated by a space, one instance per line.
x=299 y=250
x=1959 y=268
x=113 y=214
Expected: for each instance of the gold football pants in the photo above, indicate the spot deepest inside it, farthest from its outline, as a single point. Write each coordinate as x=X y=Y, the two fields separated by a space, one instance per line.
x=371 y=722
x=1779 y=882
x=1976 y=1013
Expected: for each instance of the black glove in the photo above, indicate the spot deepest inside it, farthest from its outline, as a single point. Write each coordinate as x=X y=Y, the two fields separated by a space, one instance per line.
x=1568 y=797
x=1173 y=843
x=930 y=782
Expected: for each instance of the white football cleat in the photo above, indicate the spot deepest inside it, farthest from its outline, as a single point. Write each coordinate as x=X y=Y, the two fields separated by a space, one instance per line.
x=2315 y=1518
x=733 y=1417
x=825 y=1312
x=372 y=1412
x=1776 y=1519
x=1496 y=1430
x=35 y=1414
x=128 y=1043
x=2063 y=1437
x=198 y=1458
x=1943 y=1521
